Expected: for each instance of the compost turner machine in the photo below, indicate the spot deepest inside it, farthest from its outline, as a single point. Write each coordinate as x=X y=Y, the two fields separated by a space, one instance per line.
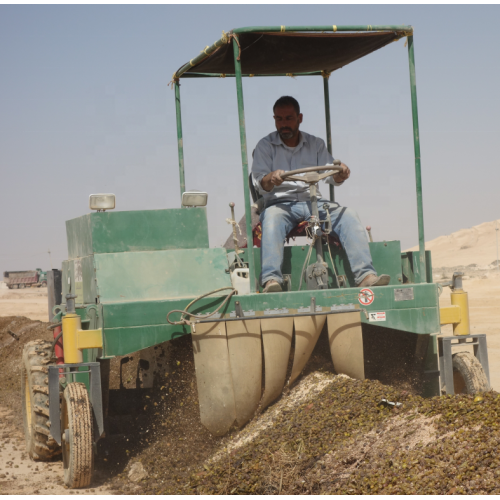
x=136 y=280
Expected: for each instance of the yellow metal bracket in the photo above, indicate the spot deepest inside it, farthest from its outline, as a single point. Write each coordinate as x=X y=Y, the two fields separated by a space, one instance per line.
x=458 y=313
x=89 y=339
x=75 y=339
x=450 y=315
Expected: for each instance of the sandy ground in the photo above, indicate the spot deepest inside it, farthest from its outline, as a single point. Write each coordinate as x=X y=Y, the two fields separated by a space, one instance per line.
x=29 y=302
x=21 y=476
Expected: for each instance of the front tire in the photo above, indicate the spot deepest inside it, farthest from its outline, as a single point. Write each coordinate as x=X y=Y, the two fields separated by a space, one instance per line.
x=468 y=374
x=35 y=397
x=77 y=436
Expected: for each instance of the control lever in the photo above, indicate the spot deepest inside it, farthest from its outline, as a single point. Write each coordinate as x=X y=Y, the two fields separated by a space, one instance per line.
x=328 y=222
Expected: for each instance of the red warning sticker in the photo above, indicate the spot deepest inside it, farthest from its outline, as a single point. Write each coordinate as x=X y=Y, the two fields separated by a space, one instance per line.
x=376 y=316
x=366 y=297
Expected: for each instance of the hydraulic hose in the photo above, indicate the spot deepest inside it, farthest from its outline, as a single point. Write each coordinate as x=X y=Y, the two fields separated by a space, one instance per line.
x=184 y=321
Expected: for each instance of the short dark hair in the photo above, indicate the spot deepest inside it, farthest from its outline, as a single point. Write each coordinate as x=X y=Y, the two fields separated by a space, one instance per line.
x=287 y=100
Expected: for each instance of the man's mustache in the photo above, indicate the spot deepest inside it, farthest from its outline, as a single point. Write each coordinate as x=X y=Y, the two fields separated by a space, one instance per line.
x=285 y=129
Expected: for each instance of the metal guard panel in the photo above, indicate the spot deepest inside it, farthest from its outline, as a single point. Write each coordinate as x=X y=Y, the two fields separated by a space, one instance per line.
x=141 y=230
x=125 y=313
x=121 y=341
x=173 y=274
x=137 y=324
x=79 y=236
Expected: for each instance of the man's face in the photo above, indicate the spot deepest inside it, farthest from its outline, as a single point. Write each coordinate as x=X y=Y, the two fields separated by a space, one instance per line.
x=287 y=121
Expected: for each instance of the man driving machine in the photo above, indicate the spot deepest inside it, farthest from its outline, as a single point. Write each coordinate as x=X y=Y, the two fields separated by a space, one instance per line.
x=288 y=202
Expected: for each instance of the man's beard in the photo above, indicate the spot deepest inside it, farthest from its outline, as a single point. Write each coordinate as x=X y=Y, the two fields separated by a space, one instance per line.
x=286 y=133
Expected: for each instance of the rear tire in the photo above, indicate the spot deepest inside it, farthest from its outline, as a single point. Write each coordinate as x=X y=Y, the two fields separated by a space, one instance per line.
x=22 y=285
x=77 y=436
x=35 y=397
x=468 y=374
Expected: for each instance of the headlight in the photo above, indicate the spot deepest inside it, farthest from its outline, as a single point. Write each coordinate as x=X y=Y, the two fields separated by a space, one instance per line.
x=102 y=202
x=194 y=199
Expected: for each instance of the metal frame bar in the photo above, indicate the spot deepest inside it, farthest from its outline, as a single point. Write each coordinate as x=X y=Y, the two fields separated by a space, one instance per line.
x=421 y=277
x=249 y=75
x=180 y=142
x=446 y=361
x=280 y=316
x=244 y=163
x=326 y=91
x=95 y=395
x=332 y=28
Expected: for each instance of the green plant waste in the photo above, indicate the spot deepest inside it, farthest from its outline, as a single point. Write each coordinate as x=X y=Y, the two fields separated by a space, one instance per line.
x=343 y=441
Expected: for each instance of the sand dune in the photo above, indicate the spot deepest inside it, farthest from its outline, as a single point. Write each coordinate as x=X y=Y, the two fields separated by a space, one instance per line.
x=475 y=245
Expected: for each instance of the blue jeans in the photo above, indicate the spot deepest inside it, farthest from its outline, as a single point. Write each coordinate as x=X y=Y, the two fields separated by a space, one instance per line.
x=279 y=219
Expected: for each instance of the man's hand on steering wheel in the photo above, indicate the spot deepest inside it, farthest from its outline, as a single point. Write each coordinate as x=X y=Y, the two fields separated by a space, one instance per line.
x=272 y=179
x=342 y=175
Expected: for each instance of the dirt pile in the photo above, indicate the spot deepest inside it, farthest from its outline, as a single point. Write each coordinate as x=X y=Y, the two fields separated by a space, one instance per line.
x=327 y=434
x=10 y=356
x=343 y=441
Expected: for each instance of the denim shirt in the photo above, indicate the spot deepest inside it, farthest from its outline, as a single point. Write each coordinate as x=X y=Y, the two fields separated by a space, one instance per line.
x=271 y=154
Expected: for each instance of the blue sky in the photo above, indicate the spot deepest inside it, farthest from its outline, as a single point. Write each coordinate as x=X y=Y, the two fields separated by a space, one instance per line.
x=85 y=107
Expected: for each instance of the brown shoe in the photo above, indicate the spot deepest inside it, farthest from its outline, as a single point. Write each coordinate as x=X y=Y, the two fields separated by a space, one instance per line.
x=374 y=280
x=272 y=286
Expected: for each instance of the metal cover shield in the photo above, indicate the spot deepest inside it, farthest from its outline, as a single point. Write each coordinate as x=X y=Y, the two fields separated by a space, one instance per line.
x=346 y=344
x=213 y=377
x=277 y=340
x=307 y=330
x=245 y=357
x=163 y=274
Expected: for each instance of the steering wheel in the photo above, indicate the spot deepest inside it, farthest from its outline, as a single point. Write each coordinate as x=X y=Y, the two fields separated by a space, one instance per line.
x=312 y=176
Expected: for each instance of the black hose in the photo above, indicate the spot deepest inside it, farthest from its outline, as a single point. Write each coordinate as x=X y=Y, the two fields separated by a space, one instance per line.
x=55 y=340
x=54 y=326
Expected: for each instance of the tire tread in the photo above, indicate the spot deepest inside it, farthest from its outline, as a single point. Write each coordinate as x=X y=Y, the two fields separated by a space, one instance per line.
x=472 y=372
x=39 y=444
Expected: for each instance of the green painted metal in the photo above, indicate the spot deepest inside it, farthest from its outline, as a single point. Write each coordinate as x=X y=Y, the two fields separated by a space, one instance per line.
x=385 y=256
x=250 y=75
x=153 y=312
x=244 y=161
x=410 y=262
x=416 y=143
x=431 y=386
x=111 y=232
x=130 y=326
x=162 y=274
x=270 y=29
x=326 y=91
x=180 y=144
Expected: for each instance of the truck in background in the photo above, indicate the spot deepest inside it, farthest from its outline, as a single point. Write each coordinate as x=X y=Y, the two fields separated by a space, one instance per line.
x=23 y=279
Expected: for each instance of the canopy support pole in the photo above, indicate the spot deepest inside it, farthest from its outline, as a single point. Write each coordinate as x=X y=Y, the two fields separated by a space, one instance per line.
x=244 y=162
x=422 y=274
x=180 y=145
x=328 y=126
